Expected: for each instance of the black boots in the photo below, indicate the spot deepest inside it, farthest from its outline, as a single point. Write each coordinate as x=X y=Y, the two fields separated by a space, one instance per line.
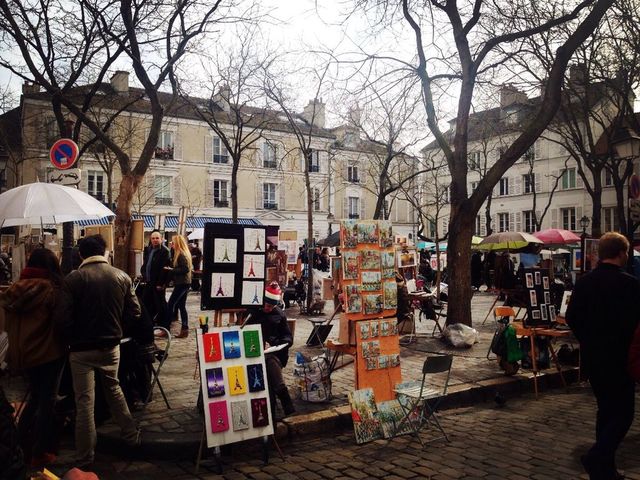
x=287 y=405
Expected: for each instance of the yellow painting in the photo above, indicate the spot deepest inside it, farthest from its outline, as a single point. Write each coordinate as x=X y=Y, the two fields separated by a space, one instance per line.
x=237 y=380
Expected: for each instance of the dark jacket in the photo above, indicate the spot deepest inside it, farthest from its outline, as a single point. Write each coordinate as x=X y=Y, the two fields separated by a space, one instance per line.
x=161 y=259
x=275 y=330
x=181 y=273
x=97 y=299
x=634 y=356
x=603 y=313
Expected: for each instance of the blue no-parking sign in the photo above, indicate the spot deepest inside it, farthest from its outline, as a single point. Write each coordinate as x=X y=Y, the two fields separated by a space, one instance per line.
x=63 y=153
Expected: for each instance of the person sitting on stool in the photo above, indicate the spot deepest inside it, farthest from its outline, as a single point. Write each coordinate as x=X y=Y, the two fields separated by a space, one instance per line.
x=275 y=331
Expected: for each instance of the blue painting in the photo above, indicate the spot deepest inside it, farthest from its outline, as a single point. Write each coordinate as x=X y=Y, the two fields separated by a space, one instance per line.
x=256 y=377
x=231 y=341
x=215 y=382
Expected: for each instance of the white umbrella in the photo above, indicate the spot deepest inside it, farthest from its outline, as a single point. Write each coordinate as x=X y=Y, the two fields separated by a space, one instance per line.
x=48 y=203
x=197 y=234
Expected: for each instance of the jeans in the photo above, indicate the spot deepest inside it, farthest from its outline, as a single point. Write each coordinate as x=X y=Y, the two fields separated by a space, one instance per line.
x=155 y=302
x=36 y=420
x=178 y=301
x=84 y=366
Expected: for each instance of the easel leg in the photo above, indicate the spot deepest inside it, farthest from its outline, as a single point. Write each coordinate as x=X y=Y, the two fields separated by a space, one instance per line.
x=557 y=363
x=265 y=450
x=275 y=442
x=203 y=438
x=491 y=308
x=534 y=363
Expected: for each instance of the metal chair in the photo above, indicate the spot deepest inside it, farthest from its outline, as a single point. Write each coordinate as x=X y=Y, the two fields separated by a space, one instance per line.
x=160 y=355
x=502 y=316
x=420 y=400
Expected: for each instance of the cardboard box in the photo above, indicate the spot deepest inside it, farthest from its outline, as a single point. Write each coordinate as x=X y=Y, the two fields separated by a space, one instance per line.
x=347 y=333
x=327 y=289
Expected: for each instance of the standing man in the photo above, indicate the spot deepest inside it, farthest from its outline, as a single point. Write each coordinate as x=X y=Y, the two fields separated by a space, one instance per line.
x=603 y=314
x=96 y=300
x=196 y=257
x=156 y=257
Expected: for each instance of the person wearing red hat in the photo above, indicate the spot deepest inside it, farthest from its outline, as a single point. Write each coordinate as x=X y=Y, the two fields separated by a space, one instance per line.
x=275 y=331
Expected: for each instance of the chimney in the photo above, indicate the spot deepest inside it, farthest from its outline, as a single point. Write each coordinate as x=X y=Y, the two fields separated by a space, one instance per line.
x=29 y=88
x=120 y=81
x=510 y=95
x=222 y=98
x=314 y=113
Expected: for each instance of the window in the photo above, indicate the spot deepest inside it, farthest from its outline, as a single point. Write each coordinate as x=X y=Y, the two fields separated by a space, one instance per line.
x=446 y=193
x=504 y=186
x=529 y=224
x=164 y=149
x=529 y=182
x=568 y=216
x=220 y=152
x=568 y=179
x=474 y=186
x=269 y=191
x=162 y=188
x=608 y=178
x=95 y=184
x=354 y=207
x=352 y=174
x=474 y=161
x=316 y=199
x=478 y=224
x=269 y=155
x=610 y=220
x=503 y=222
x=314 y=161
x=220 y=195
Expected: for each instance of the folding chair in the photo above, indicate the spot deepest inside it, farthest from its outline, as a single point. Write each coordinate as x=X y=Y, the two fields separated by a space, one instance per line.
x=160 y=355
x=441 y=315
x=502 y=316
x=420 y=400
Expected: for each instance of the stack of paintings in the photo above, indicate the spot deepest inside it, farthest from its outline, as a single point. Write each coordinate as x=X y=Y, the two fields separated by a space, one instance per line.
x=372 y=421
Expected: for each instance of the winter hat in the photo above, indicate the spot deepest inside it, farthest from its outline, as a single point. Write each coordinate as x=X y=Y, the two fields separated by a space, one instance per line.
x=272 y=293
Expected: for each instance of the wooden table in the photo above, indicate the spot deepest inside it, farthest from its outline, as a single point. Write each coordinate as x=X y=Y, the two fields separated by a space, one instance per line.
x=339 y=349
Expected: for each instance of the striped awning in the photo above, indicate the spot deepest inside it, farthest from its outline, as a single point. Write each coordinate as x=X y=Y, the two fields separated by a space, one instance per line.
x=171 y=221
x=149 y=220
x=99 y=221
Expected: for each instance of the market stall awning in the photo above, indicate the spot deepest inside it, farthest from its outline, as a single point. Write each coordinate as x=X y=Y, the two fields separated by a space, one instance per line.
x=171 y=221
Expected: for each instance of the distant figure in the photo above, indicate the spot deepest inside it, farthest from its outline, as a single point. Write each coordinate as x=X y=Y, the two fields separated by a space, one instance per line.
x=489 y=269
x=196 y=258
x=476 y=270
x=156 y=257
x=180 y=271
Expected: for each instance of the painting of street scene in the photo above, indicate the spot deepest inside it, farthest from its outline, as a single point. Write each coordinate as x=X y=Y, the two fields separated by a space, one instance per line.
x=366 y=425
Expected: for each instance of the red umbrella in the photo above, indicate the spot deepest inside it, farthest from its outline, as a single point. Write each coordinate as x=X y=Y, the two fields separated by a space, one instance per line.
x=557 y=236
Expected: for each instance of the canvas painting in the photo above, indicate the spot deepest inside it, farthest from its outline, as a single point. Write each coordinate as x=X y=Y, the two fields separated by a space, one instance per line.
x=543 y=313
x=236 y=380
x=388 y=273
x=385 y=328
x=366 y=425
x=374 y=329
x=537 y=277
x=371 y=349
x=231 y=341
x=225 y=250
x=256 y=377
x=259 y=412
x=371 y=363
x=407 y=259
x=383 y=362
x=533 y=298
x=251 y=343
x=390 y=295
x=394 y=360
x=211 y=347
x=386 y=233
x=368 y=232
x=223 y=285
x=253 y=266
x=535 y=314
x=239 y=415
x=392 y=419
x=364 y=330
x=547 y=297
x=388 y=260
x=371 y=281
x=552 y=313
x=354 y=300
x=254 y=240
x=215 y=382
x=394 y=328
x=370 y=260
x=252 y=293
x=529 y=279
x=219 y=417
x=349 y=233
x=372 y=304
x=545 y=283
x=350 y=263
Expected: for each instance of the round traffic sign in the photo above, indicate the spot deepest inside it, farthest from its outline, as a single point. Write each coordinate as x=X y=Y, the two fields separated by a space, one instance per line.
x=63 y=153
x=634 y=187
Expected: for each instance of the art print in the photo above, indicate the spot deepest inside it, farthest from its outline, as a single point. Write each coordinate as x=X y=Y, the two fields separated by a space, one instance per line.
x=256 y=377
x=215 y=382
x=225 y=250
x=253 y=266
x=545 y=283
x=366 y=426
x=231 y=342
x=407 y=259
x=535 y=314
x=349 y=233
x=370 y=260
x=388 y=273
x=386 y=233
x=239 y=415
x=394 y=360
x=392 y=420
x=236 y=380
x=254 y=240
x=259 y=412
x=529 y=280
x=374 y=329
x=350 y=263
x=388 y=260
x=543 y=313
x=390 y=291
x=547 y=297
x=354 y=301
x=364 y=330
x=251 y=343
x=368 y=232
x=538 y=277
x=218 y=416
x=371 y=281
x=223 y=285
x=211 y=347
x=385 y=328
x=533 y=298
x=552 y=313
x=383 y=362
x=252 y=293
x=394 y=328
x=372 y=304
x=371 y=363
x=371 y=349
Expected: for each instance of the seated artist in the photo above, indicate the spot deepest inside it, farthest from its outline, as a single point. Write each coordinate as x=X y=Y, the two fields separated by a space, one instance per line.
x=275 y=331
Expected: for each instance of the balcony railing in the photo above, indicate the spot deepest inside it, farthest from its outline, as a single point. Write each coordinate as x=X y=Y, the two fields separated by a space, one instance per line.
x=221 y=203
x=220 y=158
x=164 y=201
x=270 y=206
x=314 y=168
x=270 y=164
x=354 y=179
x=164 y=153
x=354 y=216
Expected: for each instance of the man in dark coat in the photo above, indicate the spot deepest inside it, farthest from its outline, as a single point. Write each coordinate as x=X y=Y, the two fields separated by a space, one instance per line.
x=156 y=257
x=603 y=314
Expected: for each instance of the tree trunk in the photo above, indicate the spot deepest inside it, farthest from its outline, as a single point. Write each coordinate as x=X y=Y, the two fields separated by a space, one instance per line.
x=596 y=211
x=459 y=268
x=379 y=208
x=128 y=187
x=234 y=190
x=487 y=216
x=307 y=182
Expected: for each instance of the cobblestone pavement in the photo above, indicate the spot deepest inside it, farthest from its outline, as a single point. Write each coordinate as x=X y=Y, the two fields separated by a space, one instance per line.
x=525 y=439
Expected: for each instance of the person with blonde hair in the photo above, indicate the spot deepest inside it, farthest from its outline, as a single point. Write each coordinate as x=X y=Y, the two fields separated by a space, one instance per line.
x=181 y=268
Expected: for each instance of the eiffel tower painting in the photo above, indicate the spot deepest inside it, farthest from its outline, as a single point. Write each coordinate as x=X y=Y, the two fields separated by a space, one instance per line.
x=226 y=258
x=251 y=273
x=255 y=296
x=220 y=291
x=258 y=247
x=224 y=250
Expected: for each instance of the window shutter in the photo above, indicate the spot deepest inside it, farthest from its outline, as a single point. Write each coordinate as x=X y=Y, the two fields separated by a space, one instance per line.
x=512 y=222
x=84 y=182
x=282 y=192
x=345 y=207
x=445 y=225
x=483 y=226
x=554 y=218
x=177 y=146
x=578 y=217
x=208 y=193
x=363 y=208
x=552 y=180
x=259 y=204
x=208 y=148
x=302 y=163
x=177 y=191
x=537 y=182
x=346 y=171
x=517 y=185
x=538 y=149
x=495 y=226
x=518 y=225
x=579 y=182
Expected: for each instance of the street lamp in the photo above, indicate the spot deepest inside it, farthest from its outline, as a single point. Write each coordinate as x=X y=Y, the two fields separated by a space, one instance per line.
x=584 y=223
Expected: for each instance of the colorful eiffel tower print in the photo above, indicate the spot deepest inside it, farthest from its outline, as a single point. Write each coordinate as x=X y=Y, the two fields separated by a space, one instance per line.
x=258 y=246
x=251 y=272
x=220 y=291
x=255 y=296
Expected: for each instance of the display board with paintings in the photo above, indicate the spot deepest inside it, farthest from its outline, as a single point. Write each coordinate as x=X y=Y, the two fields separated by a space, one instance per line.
x=234 y=266
x=372 y=421
x=234 y=383
x=540 y=307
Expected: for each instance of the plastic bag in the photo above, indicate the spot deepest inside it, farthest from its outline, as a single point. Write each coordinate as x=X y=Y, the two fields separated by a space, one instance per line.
x=460 y=335
x=312 y=381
